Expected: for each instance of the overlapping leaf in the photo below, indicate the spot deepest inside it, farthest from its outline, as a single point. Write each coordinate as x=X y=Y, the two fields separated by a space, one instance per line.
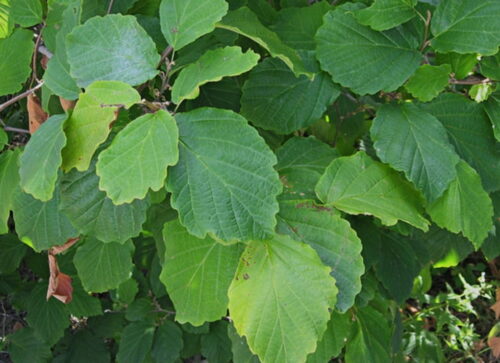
x=6 y=23
x=359 y=185
x=428 y=81
x=111 y=48
x=492 y=109
x=197 y=274
x=333 y=340
x=92 y=213
x=274 y=99
x=9 y=181
x=466 y=26
x=386 y=14
x=280 y=298
x=426 y=156
x=361 y=58
x=465 y=207
x=138 y=158
x=42 y=158
x=211 y=67
x=26 y=12
x=16 y=51
x=88 y=126
x=183 y=21
x=223 y=185
x=243 y=21
x=136 y=342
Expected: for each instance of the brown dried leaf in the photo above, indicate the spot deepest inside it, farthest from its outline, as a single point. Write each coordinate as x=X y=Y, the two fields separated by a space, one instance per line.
x=36 y=114
x=59 y=283
x=496 y=306
x=494 y=344
x=67 y=104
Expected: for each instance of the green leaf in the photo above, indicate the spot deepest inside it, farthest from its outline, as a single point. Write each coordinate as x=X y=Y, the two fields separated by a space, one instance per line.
x=363 y=59
x=334 y=240
x=13 y=252
x=135 y=343
x=466 y=26
x=371 y=339
x=58 y=79
x=83 y=305
x=94 y=214
x=40 y=162
x=26 y=12
x=184 y=21
x=89 y=124
x=49 y=318
x=386 y=14
x=6 y=23
x=239 y=347
x=461 y=64
x=103 y=266
x=243 y=21
x=471 y=134
x=197 y=274
x=84 y=347
x=212 y=67
x=490 y=67
x=333 y=340
x=138 y=158
x=428 y=81
x=359 y=185
x=274 y=99
x=492 y=109
x=41 y=225
x=167 y=344
x=280 y=298
x=481 y=92
x=301 y=162
x=216 y=345
x=426 y=156
x=15 y=62
x=127 y=291
x=9 y=181
x=465 y=207
x=4 y=139
x=224 y=186
x=26 y=346
x=111 y=48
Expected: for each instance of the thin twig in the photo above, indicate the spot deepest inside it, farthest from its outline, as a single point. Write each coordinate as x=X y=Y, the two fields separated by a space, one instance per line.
x=20 y=96
x=35 y=54
x=110 y=6
x=470 y=81
x=15 y=129
x=165 y=54
x=427 y=23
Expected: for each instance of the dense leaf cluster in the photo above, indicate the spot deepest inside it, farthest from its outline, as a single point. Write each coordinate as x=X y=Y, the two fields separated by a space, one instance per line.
x=244 y=180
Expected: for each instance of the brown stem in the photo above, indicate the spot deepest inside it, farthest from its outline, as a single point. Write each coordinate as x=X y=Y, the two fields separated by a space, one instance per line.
x=35 y=54
x=20 y=96
x=165 y=54
x=427 y=23
x=470 y=81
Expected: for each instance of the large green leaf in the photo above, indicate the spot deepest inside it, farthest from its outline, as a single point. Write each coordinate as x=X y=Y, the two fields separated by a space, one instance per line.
x=93 y=213
x=426 y=156
x=428 y=81
x=88 y=126
x=371 y=339
x=386 y=14
x=26 y=346
x=359 y=185
x=211 y=67
x=49 y=318
x=103 y=266
x=197 y=274
x=136 y=342
x=111 y=48
x=471 y=134
x=461 y=64
x=275 y=99
x=26 y=12
x=13 y=252
x=9 y=181
x=363 y=59
x=334 y=240
x=301 y=162
x=15 y=61
x=184 y=21
x=465 y=207
x=6 y=23
x=279 y=299
x=225 y=186
x=243 y=21
x=138 y=158
x=333 y=340
x=41 y=225
x=40 y=162
x=466 y=26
